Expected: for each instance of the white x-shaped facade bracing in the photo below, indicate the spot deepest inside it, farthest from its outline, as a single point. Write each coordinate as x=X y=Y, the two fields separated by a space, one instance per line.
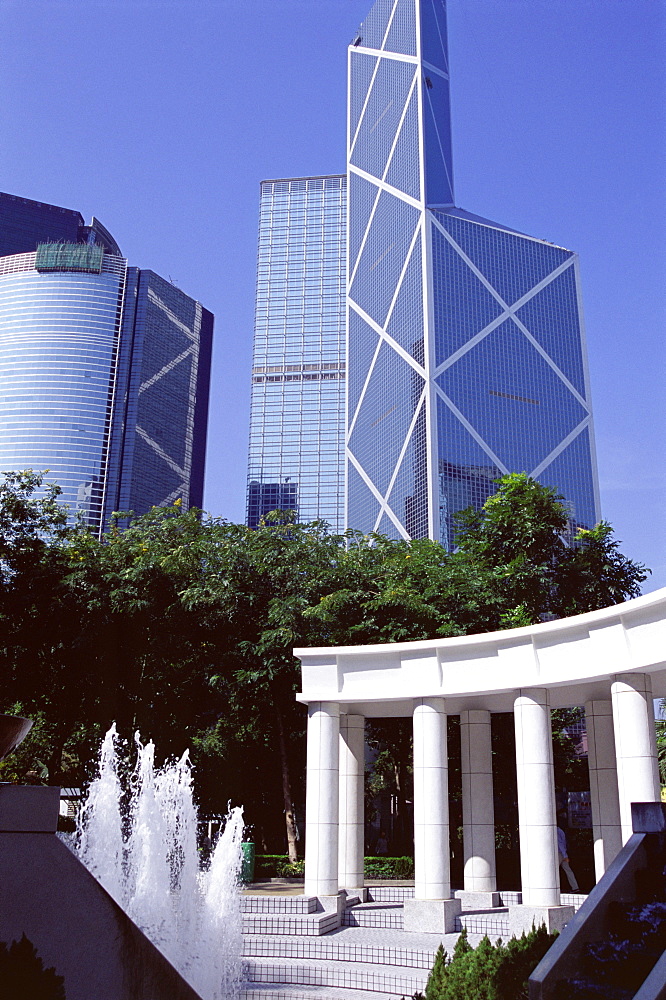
x=466 y=355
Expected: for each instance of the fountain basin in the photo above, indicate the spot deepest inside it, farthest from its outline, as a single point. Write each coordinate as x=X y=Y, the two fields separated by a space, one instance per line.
x=75 y=925
x=13 y=730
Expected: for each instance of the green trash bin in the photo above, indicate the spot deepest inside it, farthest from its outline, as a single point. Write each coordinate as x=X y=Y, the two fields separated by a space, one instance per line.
x=247 y=866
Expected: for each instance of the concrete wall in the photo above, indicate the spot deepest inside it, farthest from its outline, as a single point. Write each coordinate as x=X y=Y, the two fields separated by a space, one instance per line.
x=76 y=927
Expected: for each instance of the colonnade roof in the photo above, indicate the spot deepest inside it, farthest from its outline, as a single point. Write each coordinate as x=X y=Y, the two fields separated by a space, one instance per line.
x=575 y=658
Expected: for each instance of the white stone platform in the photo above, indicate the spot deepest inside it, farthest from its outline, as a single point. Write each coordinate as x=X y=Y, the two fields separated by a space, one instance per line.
x=369 y=958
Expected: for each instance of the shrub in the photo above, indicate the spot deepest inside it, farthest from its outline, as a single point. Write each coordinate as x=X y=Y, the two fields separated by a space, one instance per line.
x=389 y=868
x=290 y=869
x=22 y=973
x=487 y=972
x=277 y=866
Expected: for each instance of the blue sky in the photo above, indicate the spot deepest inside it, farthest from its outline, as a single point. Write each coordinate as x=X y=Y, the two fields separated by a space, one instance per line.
x=161 y=117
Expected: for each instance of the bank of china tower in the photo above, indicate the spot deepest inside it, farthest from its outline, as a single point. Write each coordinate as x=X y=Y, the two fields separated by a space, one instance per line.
x=465 y=355
x=465 y=348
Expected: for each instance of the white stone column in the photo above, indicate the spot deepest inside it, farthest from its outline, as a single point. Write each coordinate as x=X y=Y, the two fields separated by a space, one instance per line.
x=432 y=909
x=537 y=821
x=606 y=827
x=432 y=877
x=635 y=744
x=351 y=833
x=321 y=800
x=478 y=808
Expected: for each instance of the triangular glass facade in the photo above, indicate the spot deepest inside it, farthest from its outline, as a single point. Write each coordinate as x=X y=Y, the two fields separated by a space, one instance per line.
x=465 y=350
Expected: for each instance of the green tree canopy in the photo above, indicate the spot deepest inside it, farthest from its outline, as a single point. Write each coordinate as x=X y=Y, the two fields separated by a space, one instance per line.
x=183 y=625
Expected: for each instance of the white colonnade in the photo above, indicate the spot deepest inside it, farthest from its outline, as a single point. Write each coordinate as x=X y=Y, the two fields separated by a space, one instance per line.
x=478 y=808
x=351 y=842
x=577 y=661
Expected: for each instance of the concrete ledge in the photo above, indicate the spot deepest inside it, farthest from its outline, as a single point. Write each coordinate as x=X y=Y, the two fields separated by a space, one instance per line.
x=29 y=808
x=654 y=987
x=333 y=904
x=478 y=900
x=75 y=925
x=648 y=817
x=618 y=882
x=431 y=916
x=522 y=918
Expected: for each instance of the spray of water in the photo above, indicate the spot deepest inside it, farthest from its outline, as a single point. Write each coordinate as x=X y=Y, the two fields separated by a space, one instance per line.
x=145 y=855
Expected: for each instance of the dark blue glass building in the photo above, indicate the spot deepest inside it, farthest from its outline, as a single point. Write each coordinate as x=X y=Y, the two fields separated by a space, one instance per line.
x=465 y=354
x=104 y=369
x=297 y=417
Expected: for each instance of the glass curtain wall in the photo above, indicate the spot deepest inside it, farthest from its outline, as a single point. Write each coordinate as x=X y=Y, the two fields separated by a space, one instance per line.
x=59 y=332
x=296 y=456
x=466 y=352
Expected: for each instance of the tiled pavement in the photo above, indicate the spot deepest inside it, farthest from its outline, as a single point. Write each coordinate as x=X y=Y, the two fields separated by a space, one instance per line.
x=289 y=956
x=370 y=963
x=371 y=958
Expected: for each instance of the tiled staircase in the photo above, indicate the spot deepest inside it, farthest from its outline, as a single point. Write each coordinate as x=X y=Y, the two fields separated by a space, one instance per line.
x=265 y=915
x=286 y=956
x=294 y=951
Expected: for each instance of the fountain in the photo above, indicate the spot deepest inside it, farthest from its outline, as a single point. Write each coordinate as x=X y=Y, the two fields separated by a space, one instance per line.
x=82 y=929
x=145 y=855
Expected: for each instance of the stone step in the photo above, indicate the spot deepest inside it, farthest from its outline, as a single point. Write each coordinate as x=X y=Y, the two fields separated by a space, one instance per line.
x=375 y=915
x=390 y=893
x=494 y=923
x=283 y=991
x=308 y=924
x=338 y=948
x=359 y=976
x=575 y=899
x=278 y=904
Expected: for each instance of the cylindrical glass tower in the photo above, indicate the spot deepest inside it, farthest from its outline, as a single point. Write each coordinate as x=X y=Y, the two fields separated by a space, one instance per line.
x=60 y=313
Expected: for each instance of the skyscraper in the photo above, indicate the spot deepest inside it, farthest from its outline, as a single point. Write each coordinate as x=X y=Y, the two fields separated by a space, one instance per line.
x=104 y=368
x=465 y=352
x=466 y=355
x=297 y=416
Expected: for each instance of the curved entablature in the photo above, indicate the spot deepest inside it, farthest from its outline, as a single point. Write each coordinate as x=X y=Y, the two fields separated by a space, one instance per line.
x=574 y=658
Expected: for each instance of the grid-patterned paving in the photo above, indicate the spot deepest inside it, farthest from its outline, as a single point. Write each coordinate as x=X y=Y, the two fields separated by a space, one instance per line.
x=340 y=949
x=278 y=904
x=375 y=915
x=575 y=899
x=508 y=898
x=277 y=991
x=359 y=976
x=286 y=923
x=369 y=958
x=494 y=923
x=390 y=893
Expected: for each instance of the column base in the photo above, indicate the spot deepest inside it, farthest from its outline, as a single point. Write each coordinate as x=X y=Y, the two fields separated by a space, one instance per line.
x=431 y=916
x=522 y=918
x=482 y=899
x=333 y=904
x=360 y=891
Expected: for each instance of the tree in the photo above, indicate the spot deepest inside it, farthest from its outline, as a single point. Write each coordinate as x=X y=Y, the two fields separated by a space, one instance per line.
x=184 y=625
x=519 y=550
x=593 y=573
x=23 y=974
x=38 y=615
x=487 y=972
